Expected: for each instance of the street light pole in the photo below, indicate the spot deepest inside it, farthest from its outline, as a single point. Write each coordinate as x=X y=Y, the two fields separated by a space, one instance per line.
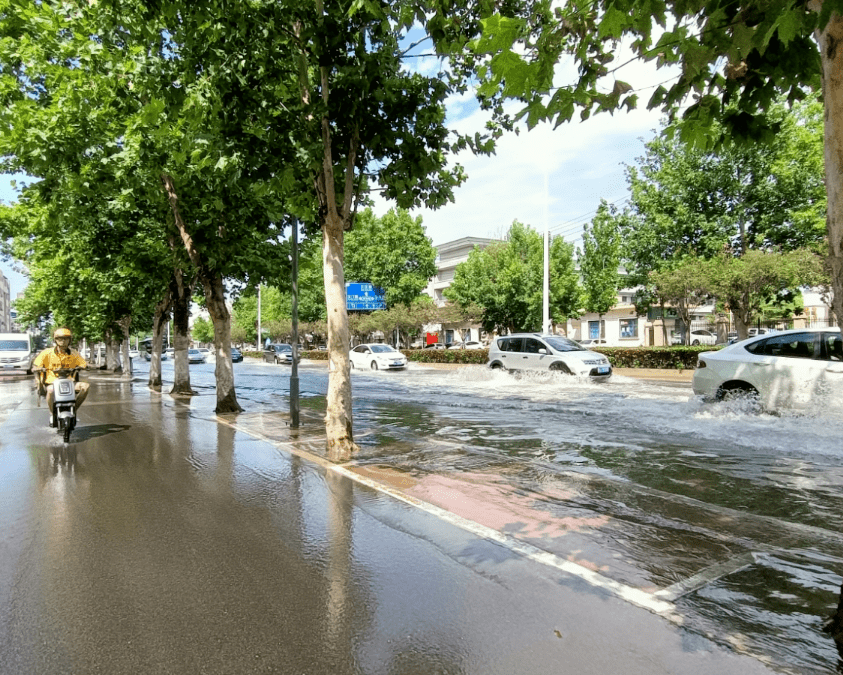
x=546 y=284
x=294 y=373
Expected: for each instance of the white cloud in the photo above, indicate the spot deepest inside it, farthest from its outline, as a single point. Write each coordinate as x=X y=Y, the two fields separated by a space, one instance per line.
x=584 y=162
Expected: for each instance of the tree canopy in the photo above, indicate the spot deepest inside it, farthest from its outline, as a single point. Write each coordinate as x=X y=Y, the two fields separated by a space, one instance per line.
x=728 y=65
x=505 y=281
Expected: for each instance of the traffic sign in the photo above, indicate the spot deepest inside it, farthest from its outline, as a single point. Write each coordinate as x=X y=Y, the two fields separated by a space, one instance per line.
x=364 y=297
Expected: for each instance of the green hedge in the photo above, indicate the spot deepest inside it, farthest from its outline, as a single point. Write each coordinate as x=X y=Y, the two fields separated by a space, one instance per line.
x=447 y=355
x=673 y=358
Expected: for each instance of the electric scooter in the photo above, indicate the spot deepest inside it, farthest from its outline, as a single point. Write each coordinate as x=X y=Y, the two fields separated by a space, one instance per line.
x=64 y=399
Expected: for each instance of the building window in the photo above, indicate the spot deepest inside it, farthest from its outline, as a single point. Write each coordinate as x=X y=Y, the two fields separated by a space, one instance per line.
x=629 y=328
x=596 y=329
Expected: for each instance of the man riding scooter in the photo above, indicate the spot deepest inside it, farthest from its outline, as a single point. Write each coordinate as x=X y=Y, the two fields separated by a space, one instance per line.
x=60 y=357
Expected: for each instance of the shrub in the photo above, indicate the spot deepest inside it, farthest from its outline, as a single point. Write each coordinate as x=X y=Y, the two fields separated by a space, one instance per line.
x=467 y=356
x=676 y=358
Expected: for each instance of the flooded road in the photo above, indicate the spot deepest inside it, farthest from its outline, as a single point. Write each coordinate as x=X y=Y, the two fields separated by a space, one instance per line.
x=734 y=516
x=163 y=540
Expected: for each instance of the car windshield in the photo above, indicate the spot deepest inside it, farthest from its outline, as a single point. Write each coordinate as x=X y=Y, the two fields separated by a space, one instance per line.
x=192 y=351
x=563 y=344
x=380 y=349
x=14 y=345
x=284 y=348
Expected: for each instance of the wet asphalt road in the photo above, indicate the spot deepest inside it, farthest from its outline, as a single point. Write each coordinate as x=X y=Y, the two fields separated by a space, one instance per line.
x=164 y=541
x=161 y=541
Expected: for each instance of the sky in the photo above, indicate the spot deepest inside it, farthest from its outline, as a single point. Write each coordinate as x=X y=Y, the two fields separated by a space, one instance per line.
x=583 y=162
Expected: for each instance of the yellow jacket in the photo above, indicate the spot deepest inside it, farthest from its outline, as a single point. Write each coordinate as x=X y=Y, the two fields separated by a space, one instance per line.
x=51 y=359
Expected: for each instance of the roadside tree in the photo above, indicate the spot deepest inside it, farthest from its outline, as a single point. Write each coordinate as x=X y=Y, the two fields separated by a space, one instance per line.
x=685 y=287
x=730 y=64
x=747 y=284
x=392 y=252
x=600 y=259
x=505 y=280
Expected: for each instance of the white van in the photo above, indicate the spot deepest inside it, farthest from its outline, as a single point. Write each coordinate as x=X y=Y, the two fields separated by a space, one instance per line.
x=15 y=353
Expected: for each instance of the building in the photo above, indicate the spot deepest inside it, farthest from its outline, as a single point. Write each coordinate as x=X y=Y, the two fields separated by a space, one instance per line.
x=5 y=305
x=448 y=256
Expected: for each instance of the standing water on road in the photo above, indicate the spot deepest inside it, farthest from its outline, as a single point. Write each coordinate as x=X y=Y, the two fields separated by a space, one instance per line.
x=735 y=516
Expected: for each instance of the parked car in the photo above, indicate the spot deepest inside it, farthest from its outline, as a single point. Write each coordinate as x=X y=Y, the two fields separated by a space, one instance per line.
x=148 y=356
x=376 y=357
x=278 y=353
x=593 y=342
x=170 y=352
x=527 y=351
x=703 y=337
x=236 y=355
x=789 y=369
x=195 y=356
x=206 y=353
x=436 y=345
x=752 y=332
x=134 y=353
x=470 y=344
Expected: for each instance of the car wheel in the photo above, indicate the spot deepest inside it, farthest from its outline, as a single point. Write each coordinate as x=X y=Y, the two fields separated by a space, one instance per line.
x=351 y=364
x=374 y=365
x=560 y=367
x=276 y=360
x=696 y=343
x=497 y=366
x=738 y=392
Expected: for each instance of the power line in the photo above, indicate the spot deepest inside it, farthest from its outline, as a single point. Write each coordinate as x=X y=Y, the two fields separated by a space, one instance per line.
x=575 y=225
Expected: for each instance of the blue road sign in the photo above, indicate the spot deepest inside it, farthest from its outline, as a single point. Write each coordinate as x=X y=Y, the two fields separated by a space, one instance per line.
x=363 y=297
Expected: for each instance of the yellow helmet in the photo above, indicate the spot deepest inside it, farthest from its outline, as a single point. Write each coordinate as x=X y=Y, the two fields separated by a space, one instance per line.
x=62 y=332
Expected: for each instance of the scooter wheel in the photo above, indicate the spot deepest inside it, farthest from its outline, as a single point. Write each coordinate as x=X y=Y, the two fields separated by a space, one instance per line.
x=67 y=431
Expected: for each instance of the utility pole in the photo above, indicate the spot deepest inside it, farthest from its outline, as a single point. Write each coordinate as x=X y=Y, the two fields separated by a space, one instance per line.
x=260 y=337
x=294 y=373
x=546 y=283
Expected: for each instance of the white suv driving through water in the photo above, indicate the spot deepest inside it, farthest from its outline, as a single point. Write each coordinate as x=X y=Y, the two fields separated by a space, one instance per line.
x=529 y=351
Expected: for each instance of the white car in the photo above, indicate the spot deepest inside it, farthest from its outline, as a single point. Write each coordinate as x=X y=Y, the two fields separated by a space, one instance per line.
x=800 y=368
x=528 y=351
x=594 y=342
x=377 y=357
x=702 y=337
x=470 y=344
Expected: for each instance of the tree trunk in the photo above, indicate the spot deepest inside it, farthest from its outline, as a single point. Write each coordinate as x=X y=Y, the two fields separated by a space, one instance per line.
x=125 y=325
x=159 y=321
x=831 y=50
x=215 y=299
x=338 y=420
x=224 y=369
x=181 y=321
x=112 y=362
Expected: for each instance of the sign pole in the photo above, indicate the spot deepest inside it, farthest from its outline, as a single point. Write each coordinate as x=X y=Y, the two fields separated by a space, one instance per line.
x=294 y=373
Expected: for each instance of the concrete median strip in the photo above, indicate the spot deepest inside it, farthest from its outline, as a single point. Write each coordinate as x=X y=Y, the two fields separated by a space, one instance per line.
x=635 y=596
